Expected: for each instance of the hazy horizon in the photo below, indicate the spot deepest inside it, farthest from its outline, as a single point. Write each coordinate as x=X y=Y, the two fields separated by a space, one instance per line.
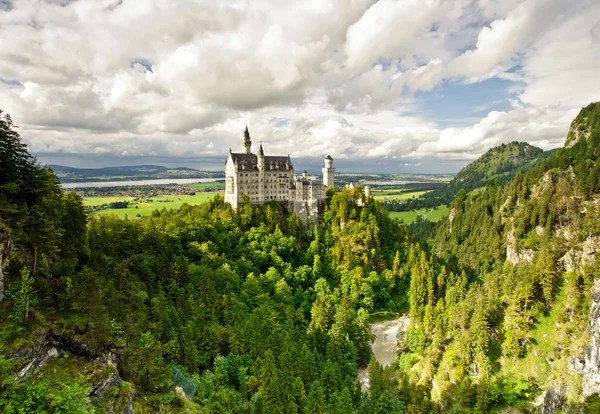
x=300 y=164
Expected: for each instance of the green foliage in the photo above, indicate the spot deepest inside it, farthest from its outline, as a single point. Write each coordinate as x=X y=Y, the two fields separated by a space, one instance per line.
x=21 y=299
x=56 y=395
x=592 y=404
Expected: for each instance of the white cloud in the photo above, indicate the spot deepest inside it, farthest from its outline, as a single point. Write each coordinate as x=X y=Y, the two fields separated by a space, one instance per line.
x=180 y=79
x=545 y=128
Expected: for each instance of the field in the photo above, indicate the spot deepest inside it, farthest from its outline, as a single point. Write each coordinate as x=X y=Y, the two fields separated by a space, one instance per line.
x=214 y=184
x=145 y=209
x=390 y=195
x=410 y=216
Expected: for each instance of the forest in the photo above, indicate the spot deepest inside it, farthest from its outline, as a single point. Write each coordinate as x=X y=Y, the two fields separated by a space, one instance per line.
x=260 y=314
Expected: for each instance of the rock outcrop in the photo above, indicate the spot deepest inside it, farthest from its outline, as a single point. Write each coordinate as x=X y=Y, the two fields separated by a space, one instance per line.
x=590 y=368
x=579 y=256
x=514 y=255
x=101 y=369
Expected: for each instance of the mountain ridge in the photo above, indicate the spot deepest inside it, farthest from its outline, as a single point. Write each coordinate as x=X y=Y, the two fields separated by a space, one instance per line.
x=127 y=173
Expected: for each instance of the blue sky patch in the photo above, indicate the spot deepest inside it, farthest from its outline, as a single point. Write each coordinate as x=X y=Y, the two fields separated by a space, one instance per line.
x=144 y=62
x=458 y=104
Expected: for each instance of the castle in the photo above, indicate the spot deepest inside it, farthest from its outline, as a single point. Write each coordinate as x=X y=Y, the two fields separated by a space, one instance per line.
x=260 y=178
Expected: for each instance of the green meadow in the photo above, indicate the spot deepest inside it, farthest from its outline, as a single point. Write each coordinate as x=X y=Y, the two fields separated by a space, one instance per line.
x=429 y=214
x=201 y=186
x=390 y=195
x=147 y=207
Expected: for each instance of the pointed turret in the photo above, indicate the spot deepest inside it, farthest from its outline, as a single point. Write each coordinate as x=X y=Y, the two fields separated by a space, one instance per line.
x=247 y=143
x=261 y=158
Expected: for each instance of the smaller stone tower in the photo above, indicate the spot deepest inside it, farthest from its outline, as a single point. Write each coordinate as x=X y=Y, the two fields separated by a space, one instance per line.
x=367 y=191
x=247 y=144
x=328 y=172
x=260 y=158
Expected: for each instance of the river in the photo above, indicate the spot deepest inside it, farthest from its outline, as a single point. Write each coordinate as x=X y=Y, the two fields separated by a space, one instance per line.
x=385 y=345
x=89 y=184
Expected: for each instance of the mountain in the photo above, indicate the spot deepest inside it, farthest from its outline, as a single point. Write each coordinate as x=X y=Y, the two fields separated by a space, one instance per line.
x=127 y=173
x=500 y=164
x=586 y=121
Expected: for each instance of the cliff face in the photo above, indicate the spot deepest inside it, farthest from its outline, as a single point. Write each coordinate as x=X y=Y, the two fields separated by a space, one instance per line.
x=54 y=353
x=590 y=368
x=586 y=121
x=584 y=367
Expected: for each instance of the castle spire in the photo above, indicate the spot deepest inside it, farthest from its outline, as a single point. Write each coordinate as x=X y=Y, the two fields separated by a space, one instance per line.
x=260 y=159
x=247 y=143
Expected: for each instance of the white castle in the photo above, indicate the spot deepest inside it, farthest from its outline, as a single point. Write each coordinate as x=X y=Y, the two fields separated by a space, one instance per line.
x=260 y=178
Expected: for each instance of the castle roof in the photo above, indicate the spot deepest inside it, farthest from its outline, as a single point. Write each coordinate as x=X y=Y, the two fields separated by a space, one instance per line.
x=248 y=162
x=329 y=158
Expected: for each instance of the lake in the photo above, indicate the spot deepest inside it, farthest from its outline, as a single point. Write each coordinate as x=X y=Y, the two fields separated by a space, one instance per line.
x=89 y=184
x=395 y=182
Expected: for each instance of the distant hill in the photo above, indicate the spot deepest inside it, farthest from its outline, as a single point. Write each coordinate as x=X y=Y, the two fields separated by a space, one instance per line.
x=126 y=173
x=500 y=164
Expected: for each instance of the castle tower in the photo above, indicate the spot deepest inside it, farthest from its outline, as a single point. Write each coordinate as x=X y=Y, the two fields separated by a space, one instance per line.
x=247 y=144
x=328 y=172
x=367 y=191
x=261 y=158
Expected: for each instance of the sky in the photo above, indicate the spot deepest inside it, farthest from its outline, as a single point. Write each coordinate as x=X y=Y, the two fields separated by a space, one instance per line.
x=394 y=86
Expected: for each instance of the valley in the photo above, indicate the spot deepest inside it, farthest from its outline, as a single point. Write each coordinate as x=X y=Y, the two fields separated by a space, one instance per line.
x=196 y=307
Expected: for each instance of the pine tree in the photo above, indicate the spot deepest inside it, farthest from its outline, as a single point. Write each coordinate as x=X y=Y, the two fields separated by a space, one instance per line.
x=418 y=285
x=547 y=273
x=315 y=402
x=17 y=166
x=269 y=380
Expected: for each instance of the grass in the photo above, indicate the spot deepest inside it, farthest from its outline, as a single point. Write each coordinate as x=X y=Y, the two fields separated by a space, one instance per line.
x=214 y=184
x=389 y=194
x=145 y=209
x=411 y=216
x=543 y=337
x=92 y=201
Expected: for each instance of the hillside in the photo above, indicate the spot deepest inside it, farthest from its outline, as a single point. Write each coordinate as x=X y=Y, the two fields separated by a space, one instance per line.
x=127 y=173
x=499 y=164
x=519 y=307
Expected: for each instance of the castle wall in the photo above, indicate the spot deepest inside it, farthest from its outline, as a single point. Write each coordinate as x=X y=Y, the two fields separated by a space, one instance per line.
x=263 y=186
